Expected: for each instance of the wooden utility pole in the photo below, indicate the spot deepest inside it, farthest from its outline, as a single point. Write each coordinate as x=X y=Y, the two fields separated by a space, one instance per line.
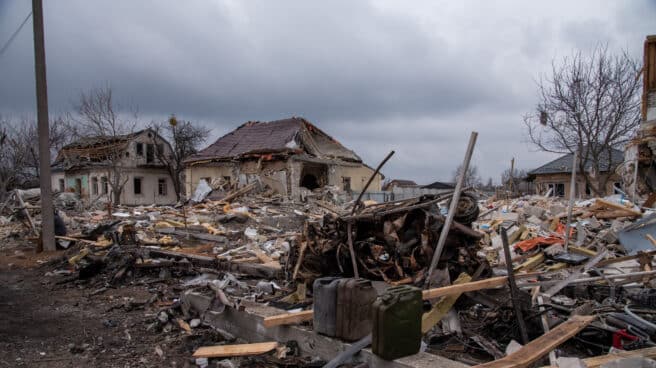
x=47 y=209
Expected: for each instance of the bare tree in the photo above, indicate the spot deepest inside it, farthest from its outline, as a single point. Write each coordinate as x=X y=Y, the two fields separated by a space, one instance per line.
x=472 y=179
x=19 y=161
x=185 y=138
x=591 y=103
x=97 y=116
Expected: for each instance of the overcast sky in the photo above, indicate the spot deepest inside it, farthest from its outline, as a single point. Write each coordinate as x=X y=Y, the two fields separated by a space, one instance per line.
x=416 y=77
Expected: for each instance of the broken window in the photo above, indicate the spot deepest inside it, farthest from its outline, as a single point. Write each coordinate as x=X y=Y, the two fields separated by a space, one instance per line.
x=160 y=149
x=62 y=185
x=558 y=189
x=139 y=149
x=346 y=183
x=94 y=185
x=161 y=187
x=104 y=185
x=78 y=186
x=137 y=185
x=150 y=153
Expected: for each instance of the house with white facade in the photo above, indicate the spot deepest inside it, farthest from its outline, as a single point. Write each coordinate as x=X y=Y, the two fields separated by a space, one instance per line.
x=91 y=165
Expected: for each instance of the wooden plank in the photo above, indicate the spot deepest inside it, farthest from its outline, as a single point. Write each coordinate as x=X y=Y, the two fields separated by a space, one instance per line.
x=651 y=199
x=441 y=308
x=618 y=206
x=462 y=288
x=298 y=317
x=606 y=262
x=541 y=346
x=288 y=318
x=224 y=351
x=597 y=361
x=613 y=214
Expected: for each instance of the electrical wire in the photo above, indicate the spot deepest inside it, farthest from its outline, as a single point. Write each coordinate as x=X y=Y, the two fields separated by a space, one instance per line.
x=13 y=36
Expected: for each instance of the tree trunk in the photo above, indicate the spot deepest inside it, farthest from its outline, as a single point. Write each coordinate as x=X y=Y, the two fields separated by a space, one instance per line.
x=117 y=196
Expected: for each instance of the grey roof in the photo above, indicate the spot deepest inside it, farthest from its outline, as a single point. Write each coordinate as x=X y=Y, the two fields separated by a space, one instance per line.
x=439 y=185
x=563 y=164
x=288 y=136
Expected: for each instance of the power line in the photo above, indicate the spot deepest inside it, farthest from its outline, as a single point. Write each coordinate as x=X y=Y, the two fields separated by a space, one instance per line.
x=11 y=39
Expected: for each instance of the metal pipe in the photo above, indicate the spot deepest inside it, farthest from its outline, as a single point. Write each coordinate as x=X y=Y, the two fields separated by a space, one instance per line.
x=452 y=208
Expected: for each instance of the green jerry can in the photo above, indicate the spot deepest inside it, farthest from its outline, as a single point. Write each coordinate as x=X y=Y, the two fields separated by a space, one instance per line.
x=397 y=322
x=354 y=300
x=325 y=305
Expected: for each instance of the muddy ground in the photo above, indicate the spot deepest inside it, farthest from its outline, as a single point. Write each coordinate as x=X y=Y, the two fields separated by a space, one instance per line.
x=53 y=320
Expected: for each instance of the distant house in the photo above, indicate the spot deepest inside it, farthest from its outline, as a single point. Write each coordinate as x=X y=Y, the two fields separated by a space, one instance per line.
x=286 y=155
x=84 y=167
x=556 y=175
x=399 y=183
x=440 y=185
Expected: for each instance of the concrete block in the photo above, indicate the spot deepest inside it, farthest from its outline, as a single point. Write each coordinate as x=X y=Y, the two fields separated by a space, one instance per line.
x=534 y=211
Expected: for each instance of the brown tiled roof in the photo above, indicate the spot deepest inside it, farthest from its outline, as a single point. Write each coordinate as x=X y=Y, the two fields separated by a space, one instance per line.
x=293 y=135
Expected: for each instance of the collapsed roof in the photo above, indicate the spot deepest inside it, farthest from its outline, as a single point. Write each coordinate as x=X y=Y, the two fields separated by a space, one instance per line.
x=291 y=136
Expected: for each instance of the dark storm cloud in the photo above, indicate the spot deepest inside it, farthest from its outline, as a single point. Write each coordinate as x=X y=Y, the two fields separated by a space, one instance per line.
x=375 y=75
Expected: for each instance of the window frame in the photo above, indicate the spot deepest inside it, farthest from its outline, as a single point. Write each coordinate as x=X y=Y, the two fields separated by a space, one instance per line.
x=134 y=185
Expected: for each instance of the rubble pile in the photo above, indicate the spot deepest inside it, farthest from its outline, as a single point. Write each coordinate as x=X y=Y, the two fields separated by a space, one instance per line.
x=226 y=249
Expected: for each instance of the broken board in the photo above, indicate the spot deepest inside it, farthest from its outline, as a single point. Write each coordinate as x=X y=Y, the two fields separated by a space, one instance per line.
x=224 y=351
x=541 y=346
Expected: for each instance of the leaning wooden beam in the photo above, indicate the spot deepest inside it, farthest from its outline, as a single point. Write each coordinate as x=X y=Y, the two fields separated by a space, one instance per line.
x=463 y=288
x=298 y=317
x=541 y=346
x=224 y=351
x=288 y=318
x=238 y=193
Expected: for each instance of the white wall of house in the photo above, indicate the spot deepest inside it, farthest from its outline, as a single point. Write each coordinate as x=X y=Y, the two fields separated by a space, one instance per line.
x=58 y=181
x=146 y=180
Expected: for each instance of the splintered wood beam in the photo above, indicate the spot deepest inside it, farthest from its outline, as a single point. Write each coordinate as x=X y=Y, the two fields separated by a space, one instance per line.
x=463 y=288
x=541 y=346
x=288 y=318
x=298 y=317
x=224 y=351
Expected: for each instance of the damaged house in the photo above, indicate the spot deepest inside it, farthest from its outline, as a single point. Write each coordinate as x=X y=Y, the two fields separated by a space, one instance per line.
x=286 y=155
x=556 y=175
x=93 y=166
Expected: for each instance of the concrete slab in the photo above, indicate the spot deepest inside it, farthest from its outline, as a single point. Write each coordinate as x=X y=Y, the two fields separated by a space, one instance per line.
x=247 y=324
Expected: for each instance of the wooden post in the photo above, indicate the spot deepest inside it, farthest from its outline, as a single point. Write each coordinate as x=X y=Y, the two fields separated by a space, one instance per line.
x=572 y=194
x=514 y=291
x=452 y=208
